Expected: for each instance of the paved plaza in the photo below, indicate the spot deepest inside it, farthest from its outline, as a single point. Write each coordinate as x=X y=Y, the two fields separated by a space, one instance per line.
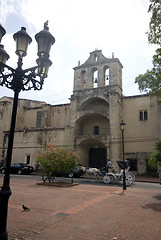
x=83 y=212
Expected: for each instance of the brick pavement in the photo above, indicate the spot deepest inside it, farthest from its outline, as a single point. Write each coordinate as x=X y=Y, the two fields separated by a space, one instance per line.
x=93 y=212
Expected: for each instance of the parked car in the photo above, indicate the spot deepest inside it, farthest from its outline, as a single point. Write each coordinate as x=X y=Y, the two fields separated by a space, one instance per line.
x=76 y=172
x=19 y=168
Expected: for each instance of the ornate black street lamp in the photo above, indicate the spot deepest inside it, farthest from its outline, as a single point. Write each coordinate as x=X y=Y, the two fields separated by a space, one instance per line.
x=122 y=125
x=17 y=80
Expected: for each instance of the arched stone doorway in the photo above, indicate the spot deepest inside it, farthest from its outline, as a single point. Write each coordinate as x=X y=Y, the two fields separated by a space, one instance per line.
x=93 y=153
x=97 y=157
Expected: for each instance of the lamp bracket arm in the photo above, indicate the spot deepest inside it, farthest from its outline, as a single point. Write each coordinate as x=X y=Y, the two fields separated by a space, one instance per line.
x=30 y=82
x=19 y=79
x=32 y=69
x=3 y=65
x=6 y=75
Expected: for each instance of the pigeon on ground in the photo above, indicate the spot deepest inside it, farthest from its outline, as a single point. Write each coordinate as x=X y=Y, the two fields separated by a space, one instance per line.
x=25 y=208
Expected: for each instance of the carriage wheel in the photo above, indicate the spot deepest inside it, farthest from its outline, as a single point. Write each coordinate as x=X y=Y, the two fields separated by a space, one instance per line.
x=106 y=179
x=129 y=179
x=44 y=178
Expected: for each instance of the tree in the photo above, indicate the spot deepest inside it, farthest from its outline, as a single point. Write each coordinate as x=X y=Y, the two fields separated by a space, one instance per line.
x=55 y=161
x=154 y=35
x=155 y=156
x=151 y=80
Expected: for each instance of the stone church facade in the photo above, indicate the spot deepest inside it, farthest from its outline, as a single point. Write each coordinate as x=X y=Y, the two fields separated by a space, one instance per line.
x=90 y=124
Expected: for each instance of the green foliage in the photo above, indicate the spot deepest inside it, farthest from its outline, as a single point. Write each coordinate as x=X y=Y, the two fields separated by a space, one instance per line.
x=145 y=81
x=151 y=80
x=155 y=156
x=57 y=160
x=154 y=34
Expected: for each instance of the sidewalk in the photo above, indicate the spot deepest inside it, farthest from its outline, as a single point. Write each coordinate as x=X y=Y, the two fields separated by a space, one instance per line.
x=146 y=179
x=137 y=178
x=83 y=212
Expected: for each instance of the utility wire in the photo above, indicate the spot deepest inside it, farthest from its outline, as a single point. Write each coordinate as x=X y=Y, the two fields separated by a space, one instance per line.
x=62 y=93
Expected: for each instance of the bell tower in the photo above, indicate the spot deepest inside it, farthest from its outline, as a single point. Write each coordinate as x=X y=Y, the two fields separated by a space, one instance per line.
x=98 y=71
x=96 y=109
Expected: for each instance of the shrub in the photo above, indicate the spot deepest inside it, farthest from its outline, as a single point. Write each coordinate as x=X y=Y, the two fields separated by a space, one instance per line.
x=54 y=161
x=155 y=156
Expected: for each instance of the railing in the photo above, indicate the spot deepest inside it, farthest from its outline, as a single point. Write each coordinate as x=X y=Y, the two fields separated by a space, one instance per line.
x=101 y=137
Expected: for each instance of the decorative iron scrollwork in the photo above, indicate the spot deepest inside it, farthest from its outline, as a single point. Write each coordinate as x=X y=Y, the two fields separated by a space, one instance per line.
x=19 y=79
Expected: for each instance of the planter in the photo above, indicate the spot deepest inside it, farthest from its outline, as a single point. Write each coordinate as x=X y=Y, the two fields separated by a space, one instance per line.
x=57 y=184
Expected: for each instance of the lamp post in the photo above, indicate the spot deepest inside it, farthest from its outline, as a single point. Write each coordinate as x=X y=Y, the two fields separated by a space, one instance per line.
x=122 y=125
x=17 y=80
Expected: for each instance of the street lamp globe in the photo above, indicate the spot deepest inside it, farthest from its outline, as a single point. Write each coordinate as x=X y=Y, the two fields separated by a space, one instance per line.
x=22 y=41
x=43 y=67
x=2 y=32
x=45 y=40
x=3 y=54
x=122 y=125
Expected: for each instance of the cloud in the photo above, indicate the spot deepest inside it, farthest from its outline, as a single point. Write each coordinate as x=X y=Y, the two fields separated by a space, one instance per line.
x=79 y=28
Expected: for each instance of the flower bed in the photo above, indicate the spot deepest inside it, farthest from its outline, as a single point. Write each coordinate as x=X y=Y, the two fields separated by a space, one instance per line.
x=57 y=184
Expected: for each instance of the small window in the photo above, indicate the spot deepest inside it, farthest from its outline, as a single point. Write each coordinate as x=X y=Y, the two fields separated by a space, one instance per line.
x=96 y=130
x=143 y=116
x=28 y=159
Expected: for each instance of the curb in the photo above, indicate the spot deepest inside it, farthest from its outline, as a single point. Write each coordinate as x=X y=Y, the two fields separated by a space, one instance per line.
x=147 y=180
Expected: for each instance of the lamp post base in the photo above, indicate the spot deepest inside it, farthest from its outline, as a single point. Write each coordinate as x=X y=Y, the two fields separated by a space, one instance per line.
x=5 y=193
x=124 y=180
x=4 y=236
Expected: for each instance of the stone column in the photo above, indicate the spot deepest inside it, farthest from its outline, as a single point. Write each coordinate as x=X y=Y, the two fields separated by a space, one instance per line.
x=115 y=132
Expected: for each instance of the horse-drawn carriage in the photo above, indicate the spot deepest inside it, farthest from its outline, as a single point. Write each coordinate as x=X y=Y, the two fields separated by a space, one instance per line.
x=107 y=178
x=113 y=175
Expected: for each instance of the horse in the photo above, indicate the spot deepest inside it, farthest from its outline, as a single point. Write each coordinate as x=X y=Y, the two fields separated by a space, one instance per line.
x=93 y=171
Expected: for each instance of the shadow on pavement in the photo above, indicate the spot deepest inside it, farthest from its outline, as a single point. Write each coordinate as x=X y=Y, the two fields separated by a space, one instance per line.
x=154 y=206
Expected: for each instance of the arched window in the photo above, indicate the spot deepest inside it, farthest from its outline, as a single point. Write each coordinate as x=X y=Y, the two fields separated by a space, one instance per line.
x=143 y=115
x=106 y=76
x=83 y=78
x=96 y=57
x=95 y=77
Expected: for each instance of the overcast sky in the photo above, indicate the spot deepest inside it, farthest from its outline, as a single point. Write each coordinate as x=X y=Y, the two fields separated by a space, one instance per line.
x=79 y=27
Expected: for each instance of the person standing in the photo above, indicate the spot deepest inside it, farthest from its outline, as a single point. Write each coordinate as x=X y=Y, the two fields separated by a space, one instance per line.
x=109 y=165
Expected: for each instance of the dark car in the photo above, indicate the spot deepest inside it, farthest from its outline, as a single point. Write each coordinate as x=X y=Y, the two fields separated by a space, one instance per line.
x=19 y=168
x=76 y=172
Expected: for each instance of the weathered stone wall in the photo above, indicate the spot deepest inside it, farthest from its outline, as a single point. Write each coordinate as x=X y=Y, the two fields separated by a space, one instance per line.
x=115 y=132
x=36 y=126
x=72 y=125
x=140 y=136
x=5 y=119
x=32 y=142
x=141 y=161
x=83 y=74
x=98 y=105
